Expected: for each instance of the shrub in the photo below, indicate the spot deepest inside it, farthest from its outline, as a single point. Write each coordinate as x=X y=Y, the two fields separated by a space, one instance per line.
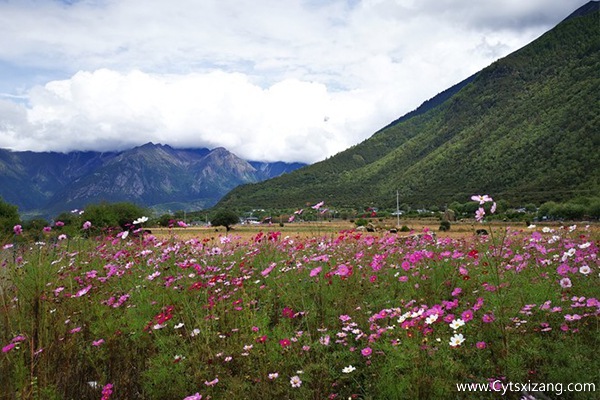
x=444 y=226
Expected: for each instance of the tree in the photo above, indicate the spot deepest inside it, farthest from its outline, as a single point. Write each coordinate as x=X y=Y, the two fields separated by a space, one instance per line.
x=9 y=216
x=225 y=218
x=113 y=214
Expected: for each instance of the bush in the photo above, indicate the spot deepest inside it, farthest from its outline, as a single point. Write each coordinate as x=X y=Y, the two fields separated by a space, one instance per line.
x=361 y=222
x=444 y=226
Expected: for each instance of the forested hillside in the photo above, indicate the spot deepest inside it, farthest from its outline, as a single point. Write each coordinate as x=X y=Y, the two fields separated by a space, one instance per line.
x=525 y=129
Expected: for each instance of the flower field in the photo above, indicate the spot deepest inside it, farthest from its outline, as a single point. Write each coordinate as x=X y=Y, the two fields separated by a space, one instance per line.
x=345 y=315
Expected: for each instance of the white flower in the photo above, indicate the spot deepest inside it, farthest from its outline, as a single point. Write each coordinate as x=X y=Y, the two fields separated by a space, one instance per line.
x=457 y=323
x=348 y=369
x=457 y=340
x=584 y=269
x=585 y=245
x=431 y=319
x=140 y=220
x=273 y=375
x=179 y=325
x=546 y=229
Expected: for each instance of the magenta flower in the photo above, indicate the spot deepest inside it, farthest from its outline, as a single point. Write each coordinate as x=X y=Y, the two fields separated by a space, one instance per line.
x=315 y=271
x=8 y=347
x=366 y=352
x=18 y=229
x=97 y=343
x=107 y=391
x=481 y=345
x=59 y=223
x=47 y=229
x=285 y=343
x=467 y=315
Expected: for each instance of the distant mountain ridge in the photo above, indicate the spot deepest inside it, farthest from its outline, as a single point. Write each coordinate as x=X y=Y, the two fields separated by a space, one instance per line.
x=152 y=175
x=526 y=129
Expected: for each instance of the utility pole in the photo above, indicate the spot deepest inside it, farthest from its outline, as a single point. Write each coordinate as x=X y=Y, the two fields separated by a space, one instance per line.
x=398 y=208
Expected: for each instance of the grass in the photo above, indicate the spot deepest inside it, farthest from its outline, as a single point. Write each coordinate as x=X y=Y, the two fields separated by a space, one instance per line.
x=347 y=313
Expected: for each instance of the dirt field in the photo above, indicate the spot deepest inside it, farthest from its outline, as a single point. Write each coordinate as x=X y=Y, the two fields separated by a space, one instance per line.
x=326 y=228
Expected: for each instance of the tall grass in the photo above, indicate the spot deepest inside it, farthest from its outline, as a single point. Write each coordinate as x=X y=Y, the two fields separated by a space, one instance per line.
x=348 y=315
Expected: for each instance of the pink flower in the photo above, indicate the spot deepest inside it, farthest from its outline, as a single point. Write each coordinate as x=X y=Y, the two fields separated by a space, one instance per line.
x=83 y=291
x=493 y=209
x=342 y=270
x=87 y=225
x=488 y=318
x=318 y=205
x=482 y=199
x=481 y=345
x=182 y=224
x=565 y=283
x=291 y=218
x=212 y=383
x=315 y=271
x=196 y=396
x=97 y=343
x=366 y=352
x=59 y=223
x=18 y=229
x=295 y=381
x=47 y=229
x=456 y=292
x=479 y=214
x=285 y=343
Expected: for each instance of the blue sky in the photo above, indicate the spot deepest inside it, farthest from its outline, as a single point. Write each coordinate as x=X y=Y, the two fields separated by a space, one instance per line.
x=292 y=80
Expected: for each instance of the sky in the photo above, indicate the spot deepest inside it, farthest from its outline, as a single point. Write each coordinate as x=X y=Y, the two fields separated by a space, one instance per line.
x=269 y=80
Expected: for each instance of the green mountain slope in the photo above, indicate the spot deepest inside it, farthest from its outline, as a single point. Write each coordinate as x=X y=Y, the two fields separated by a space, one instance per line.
x=524 y=129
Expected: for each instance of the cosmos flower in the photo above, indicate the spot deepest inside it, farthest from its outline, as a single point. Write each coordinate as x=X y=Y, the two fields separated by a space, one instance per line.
x=140 y=220
x=348 y=369
x=482 y=199
x=295 y=381
x=457 y=340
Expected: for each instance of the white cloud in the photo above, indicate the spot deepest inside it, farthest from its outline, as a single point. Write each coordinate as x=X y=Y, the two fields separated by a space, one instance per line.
x=269 y=80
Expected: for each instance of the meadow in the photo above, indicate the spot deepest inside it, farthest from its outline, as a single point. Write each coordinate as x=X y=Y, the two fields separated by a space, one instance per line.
x=312 y=311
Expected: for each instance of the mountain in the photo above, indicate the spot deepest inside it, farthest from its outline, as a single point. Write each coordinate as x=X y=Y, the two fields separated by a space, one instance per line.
x=153 y=175
x=526 y=129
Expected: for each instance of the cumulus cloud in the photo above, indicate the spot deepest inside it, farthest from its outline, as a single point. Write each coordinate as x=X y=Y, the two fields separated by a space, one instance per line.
x=269 y=80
